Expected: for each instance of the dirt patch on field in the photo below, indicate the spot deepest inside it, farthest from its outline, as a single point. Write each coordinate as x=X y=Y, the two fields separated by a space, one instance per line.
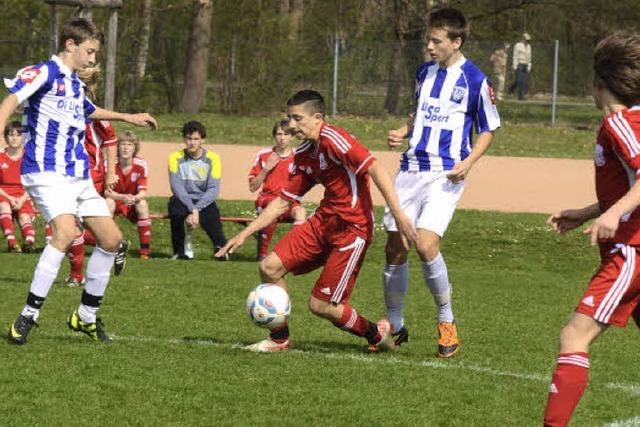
x=507 y=184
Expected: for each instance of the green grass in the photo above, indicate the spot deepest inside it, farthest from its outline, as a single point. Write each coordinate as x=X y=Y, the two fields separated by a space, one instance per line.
x=525 y=130
x=175 y=359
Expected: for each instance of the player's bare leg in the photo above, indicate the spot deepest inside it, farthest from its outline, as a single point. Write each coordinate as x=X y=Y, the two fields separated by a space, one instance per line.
x=572 y=369
x=64 y=231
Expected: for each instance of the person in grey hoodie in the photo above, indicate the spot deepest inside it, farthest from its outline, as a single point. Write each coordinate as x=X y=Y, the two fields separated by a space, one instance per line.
x=194 y=176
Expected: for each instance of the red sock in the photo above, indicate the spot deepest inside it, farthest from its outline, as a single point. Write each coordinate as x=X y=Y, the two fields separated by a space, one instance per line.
x=357 y=325
x=48 y=232
x=76 y=258
x=266 y=234
x=6 y=222
x=567 y=385
x=144 y=233
x=89 y=238
x=28 y=233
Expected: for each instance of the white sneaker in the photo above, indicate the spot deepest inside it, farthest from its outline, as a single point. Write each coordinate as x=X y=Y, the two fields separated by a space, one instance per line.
x=387 y=342
x=268 y=346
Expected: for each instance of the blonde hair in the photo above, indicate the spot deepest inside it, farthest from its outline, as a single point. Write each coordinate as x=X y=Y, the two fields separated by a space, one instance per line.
x=128 y=136
x=91 y=76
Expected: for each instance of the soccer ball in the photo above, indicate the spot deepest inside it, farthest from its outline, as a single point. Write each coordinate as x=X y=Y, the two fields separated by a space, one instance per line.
x=268 y=306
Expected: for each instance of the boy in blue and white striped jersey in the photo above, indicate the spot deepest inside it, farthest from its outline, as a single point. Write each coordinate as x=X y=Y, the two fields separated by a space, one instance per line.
x=453 y=98
x=55 y=172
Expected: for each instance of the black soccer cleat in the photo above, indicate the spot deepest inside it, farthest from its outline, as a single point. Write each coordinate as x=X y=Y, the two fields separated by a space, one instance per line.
x=94 y=330
x=20 y=329
x=401 y=336
x=121 y=257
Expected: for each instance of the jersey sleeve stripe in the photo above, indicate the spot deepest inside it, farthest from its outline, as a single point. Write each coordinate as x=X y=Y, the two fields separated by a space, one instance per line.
x=336 y=142
x=339 y=138
x=364 y=163
x=630 y=132
x=622 y=135
x=291 y=195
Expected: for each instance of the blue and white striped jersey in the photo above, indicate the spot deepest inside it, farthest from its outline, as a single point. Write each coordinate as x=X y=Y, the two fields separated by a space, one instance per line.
x=450 y=101
x=55 y=115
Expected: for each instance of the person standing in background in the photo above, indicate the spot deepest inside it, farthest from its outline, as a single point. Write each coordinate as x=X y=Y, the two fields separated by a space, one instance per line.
x=521 y=66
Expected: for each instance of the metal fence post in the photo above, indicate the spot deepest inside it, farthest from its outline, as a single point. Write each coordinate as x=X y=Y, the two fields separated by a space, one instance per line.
x=336 y=54
x=554 y=96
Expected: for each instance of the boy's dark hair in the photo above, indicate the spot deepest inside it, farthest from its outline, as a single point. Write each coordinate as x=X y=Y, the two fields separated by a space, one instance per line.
x=194 y=126
x=79 y=30
x=452 y=21
x=281 y=124
x=14 y=125
x=616 y=66
x=310 y=97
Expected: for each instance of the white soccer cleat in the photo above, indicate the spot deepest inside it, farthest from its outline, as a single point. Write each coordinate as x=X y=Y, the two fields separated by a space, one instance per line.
x=268 y=346
x=387 y=342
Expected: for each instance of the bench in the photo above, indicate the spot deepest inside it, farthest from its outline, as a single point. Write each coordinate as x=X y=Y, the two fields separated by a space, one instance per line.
x=235 y=219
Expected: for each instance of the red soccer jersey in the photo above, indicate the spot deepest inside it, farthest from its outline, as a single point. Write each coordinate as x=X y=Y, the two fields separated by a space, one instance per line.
x=99 y=134
x=135 y=180
x=10 y=174
x=339 y=162
x=617 y=161
x=276 y=178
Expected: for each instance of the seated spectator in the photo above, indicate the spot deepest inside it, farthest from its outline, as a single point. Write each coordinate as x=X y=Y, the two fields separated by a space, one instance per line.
x=271 y=172
x=14 y=200
x=128 y=195
x=194 y=176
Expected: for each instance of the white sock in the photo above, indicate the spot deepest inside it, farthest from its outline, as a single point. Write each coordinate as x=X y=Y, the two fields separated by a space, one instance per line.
x=395 y=280
x=98 y=272
x=437 y=280
x=43 y=277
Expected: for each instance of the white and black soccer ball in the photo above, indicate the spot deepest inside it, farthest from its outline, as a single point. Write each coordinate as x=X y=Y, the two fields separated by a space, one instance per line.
x=268 y=306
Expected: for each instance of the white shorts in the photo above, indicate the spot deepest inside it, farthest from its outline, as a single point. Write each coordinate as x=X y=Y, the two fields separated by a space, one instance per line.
x=428 y=198
x=55 y=195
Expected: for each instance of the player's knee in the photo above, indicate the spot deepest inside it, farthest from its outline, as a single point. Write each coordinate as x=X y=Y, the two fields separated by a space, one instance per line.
x=573 y=339
x=428 y=250
x=318 y=307
x=270 y=270
x=395 y=254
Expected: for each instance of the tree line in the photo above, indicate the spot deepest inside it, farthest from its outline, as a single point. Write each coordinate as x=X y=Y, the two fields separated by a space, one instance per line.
x=246 y=56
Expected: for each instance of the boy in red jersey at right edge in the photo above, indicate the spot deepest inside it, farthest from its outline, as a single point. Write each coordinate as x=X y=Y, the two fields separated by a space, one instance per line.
x=271 y=171
x=127 y=198
x=614 y=290
x=338 y=233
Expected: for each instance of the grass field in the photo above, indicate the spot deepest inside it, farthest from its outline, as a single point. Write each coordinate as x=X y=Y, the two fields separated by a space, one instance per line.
x=525 y=131
x=178 y=327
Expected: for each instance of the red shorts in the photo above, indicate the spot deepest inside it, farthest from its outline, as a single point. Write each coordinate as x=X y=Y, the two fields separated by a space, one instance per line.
x=263 y=201
x=27 y=207
x=338 y=246
x=126 y=211
x=614 y=291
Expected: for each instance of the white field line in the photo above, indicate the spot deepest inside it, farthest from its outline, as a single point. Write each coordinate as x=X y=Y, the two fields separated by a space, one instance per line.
x=631 y=422
x=631 y=389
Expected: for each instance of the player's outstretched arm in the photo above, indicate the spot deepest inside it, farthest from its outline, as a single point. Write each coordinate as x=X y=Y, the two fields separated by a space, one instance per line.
x=137 y=119
x=268 y=216
x=384 y=184
x=461 y=169
x=569 y=219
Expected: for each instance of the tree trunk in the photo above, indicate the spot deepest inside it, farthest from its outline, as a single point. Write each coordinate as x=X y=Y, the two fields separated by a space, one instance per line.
x=195 y=79
x=143 y=49
x=297 y=11
x=394 y=76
